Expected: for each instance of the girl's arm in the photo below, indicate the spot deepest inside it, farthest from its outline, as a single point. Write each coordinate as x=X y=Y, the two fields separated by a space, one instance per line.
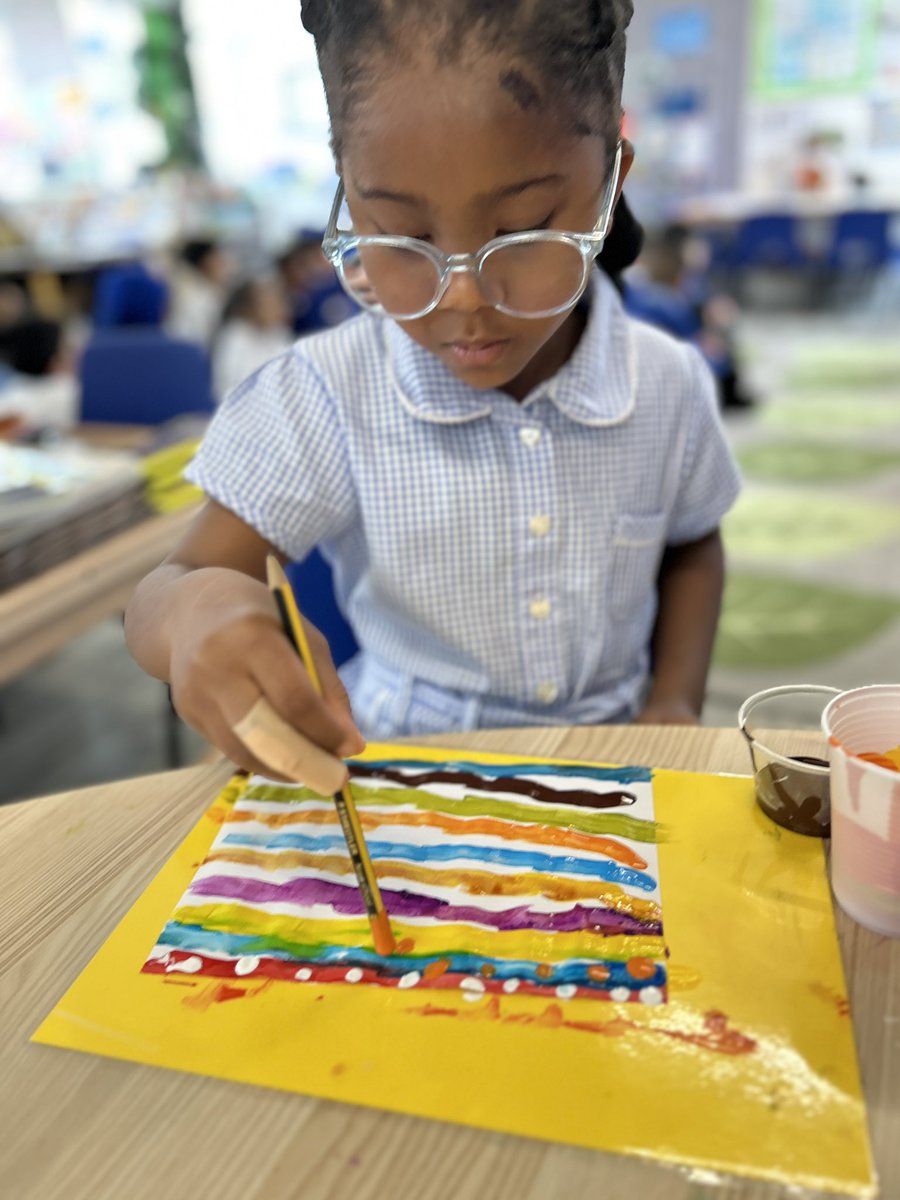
x=204 y=621
x=690 y=583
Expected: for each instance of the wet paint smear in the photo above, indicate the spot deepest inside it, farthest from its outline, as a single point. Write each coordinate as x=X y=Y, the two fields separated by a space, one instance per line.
x=716 y=1035
x=525 y=880
x=830 y=996
x=220 y=993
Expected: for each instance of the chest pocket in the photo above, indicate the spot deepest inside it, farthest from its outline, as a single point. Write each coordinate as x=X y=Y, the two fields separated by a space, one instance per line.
x=634 y=562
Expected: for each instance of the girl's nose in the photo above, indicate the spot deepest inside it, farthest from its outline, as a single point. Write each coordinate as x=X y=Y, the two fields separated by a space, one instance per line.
x=463 y=292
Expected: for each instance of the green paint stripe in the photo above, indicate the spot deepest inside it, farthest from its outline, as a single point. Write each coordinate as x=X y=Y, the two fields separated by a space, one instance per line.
x=616 y=824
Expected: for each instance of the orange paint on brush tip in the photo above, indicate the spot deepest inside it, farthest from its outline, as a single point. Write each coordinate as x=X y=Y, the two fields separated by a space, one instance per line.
x=382 y=934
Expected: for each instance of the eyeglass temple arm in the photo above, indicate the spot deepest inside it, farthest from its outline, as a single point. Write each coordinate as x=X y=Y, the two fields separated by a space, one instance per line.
x=329 y=241
x=608 y=213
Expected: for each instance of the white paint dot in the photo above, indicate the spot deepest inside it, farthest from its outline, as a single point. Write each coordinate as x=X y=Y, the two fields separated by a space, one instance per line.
x=650 y=995
x=620 y=994
x=566 y=991
x=410 y=979
x=471 y=984
x=354 y=975
x=304 y=973
x=188 y=965
x=246 y=965
x=510 y=986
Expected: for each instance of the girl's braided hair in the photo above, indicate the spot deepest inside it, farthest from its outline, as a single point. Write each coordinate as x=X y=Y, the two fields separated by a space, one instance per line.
x=576 y=48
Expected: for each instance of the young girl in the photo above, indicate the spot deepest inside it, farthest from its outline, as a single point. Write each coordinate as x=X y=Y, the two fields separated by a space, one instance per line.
x=518 y=487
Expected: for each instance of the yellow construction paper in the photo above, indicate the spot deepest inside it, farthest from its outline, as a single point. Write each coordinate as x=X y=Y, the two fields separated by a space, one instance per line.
x=748 y=1068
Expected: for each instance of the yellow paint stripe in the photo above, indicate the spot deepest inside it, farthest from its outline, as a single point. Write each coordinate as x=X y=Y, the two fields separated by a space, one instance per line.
x=532 y=945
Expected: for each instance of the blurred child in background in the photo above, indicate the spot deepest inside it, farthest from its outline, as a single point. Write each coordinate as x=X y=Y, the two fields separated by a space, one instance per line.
x=255 y=327
x=670 y=289
x=316 y=297
x=41 y=390
x=200 y=285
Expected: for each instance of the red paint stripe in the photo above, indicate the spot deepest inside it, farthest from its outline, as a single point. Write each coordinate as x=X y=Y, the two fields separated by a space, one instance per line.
x=278 y=968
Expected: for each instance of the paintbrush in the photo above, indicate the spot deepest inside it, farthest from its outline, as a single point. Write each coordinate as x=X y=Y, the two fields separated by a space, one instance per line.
x=291 y=621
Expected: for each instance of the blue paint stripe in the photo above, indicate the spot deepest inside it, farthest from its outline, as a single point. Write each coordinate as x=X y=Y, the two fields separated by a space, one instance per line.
x=503 y=770
x=551 y=864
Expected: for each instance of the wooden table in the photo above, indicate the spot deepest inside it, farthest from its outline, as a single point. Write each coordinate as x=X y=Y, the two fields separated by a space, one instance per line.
x=41 y=615
x=82 y=1128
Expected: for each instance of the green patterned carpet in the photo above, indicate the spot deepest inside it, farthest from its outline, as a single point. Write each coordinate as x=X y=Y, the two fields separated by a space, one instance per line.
x=813 y=544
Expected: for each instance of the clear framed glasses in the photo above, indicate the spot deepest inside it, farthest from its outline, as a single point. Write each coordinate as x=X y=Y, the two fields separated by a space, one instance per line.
x=536 y=273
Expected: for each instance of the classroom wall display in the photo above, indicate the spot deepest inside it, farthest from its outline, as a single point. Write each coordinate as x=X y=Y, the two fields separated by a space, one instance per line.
x=585 y=942
x=683 y=32
x=808 y=47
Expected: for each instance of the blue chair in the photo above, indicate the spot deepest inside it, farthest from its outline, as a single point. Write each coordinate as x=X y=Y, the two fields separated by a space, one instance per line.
x=771 y=241
x=664 y=308
x=129 y=295
x=313 y=584
x=862 y=242
x=143 y=377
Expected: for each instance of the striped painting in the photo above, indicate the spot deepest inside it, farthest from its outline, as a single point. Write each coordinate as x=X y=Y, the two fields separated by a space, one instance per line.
x=539 y=879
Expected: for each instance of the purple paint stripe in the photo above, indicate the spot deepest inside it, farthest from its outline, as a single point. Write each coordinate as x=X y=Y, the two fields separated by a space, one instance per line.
x=348 y=902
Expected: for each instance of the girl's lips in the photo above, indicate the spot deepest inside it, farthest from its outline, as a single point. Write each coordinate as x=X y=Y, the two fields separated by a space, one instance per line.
x=478 y=354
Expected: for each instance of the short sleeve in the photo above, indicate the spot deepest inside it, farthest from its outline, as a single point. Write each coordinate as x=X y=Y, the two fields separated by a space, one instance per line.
x=276 y=455
x=709 y=481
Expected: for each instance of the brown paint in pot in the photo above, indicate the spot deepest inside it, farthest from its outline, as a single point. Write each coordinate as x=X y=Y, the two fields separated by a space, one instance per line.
x=792 y=790
x=795 y=799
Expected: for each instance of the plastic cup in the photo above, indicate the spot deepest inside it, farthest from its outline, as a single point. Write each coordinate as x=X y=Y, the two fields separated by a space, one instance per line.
x=865 y=801
x=790 y=789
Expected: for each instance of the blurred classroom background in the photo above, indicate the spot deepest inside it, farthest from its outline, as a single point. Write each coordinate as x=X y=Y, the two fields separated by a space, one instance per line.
x=165 y=177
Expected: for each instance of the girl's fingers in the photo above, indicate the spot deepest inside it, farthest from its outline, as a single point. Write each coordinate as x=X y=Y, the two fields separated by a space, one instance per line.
x=211 y=720
x=283 y=749
x=238 y=753
x=282 y=678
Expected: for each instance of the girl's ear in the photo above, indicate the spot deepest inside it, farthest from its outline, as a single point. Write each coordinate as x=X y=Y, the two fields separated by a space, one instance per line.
x=627 y=163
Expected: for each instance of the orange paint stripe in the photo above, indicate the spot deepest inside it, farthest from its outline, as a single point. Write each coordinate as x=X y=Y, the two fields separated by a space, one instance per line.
x=509 y=831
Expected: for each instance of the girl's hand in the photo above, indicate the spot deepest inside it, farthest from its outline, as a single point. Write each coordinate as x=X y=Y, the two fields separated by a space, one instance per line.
x=229 y=656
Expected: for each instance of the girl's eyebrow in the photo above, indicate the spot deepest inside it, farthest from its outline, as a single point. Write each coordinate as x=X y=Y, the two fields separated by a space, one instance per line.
x=373 y=193
x=516 y=189
x=507 y=192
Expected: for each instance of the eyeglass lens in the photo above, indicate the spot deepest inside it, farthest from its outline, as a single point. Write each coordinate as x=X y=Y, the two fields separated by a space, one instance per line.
x=525 y=277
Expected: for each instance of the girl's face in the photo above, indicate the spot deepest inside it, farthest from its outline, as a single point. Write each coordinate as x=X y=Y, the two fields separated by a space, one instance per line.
x=448 y=155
